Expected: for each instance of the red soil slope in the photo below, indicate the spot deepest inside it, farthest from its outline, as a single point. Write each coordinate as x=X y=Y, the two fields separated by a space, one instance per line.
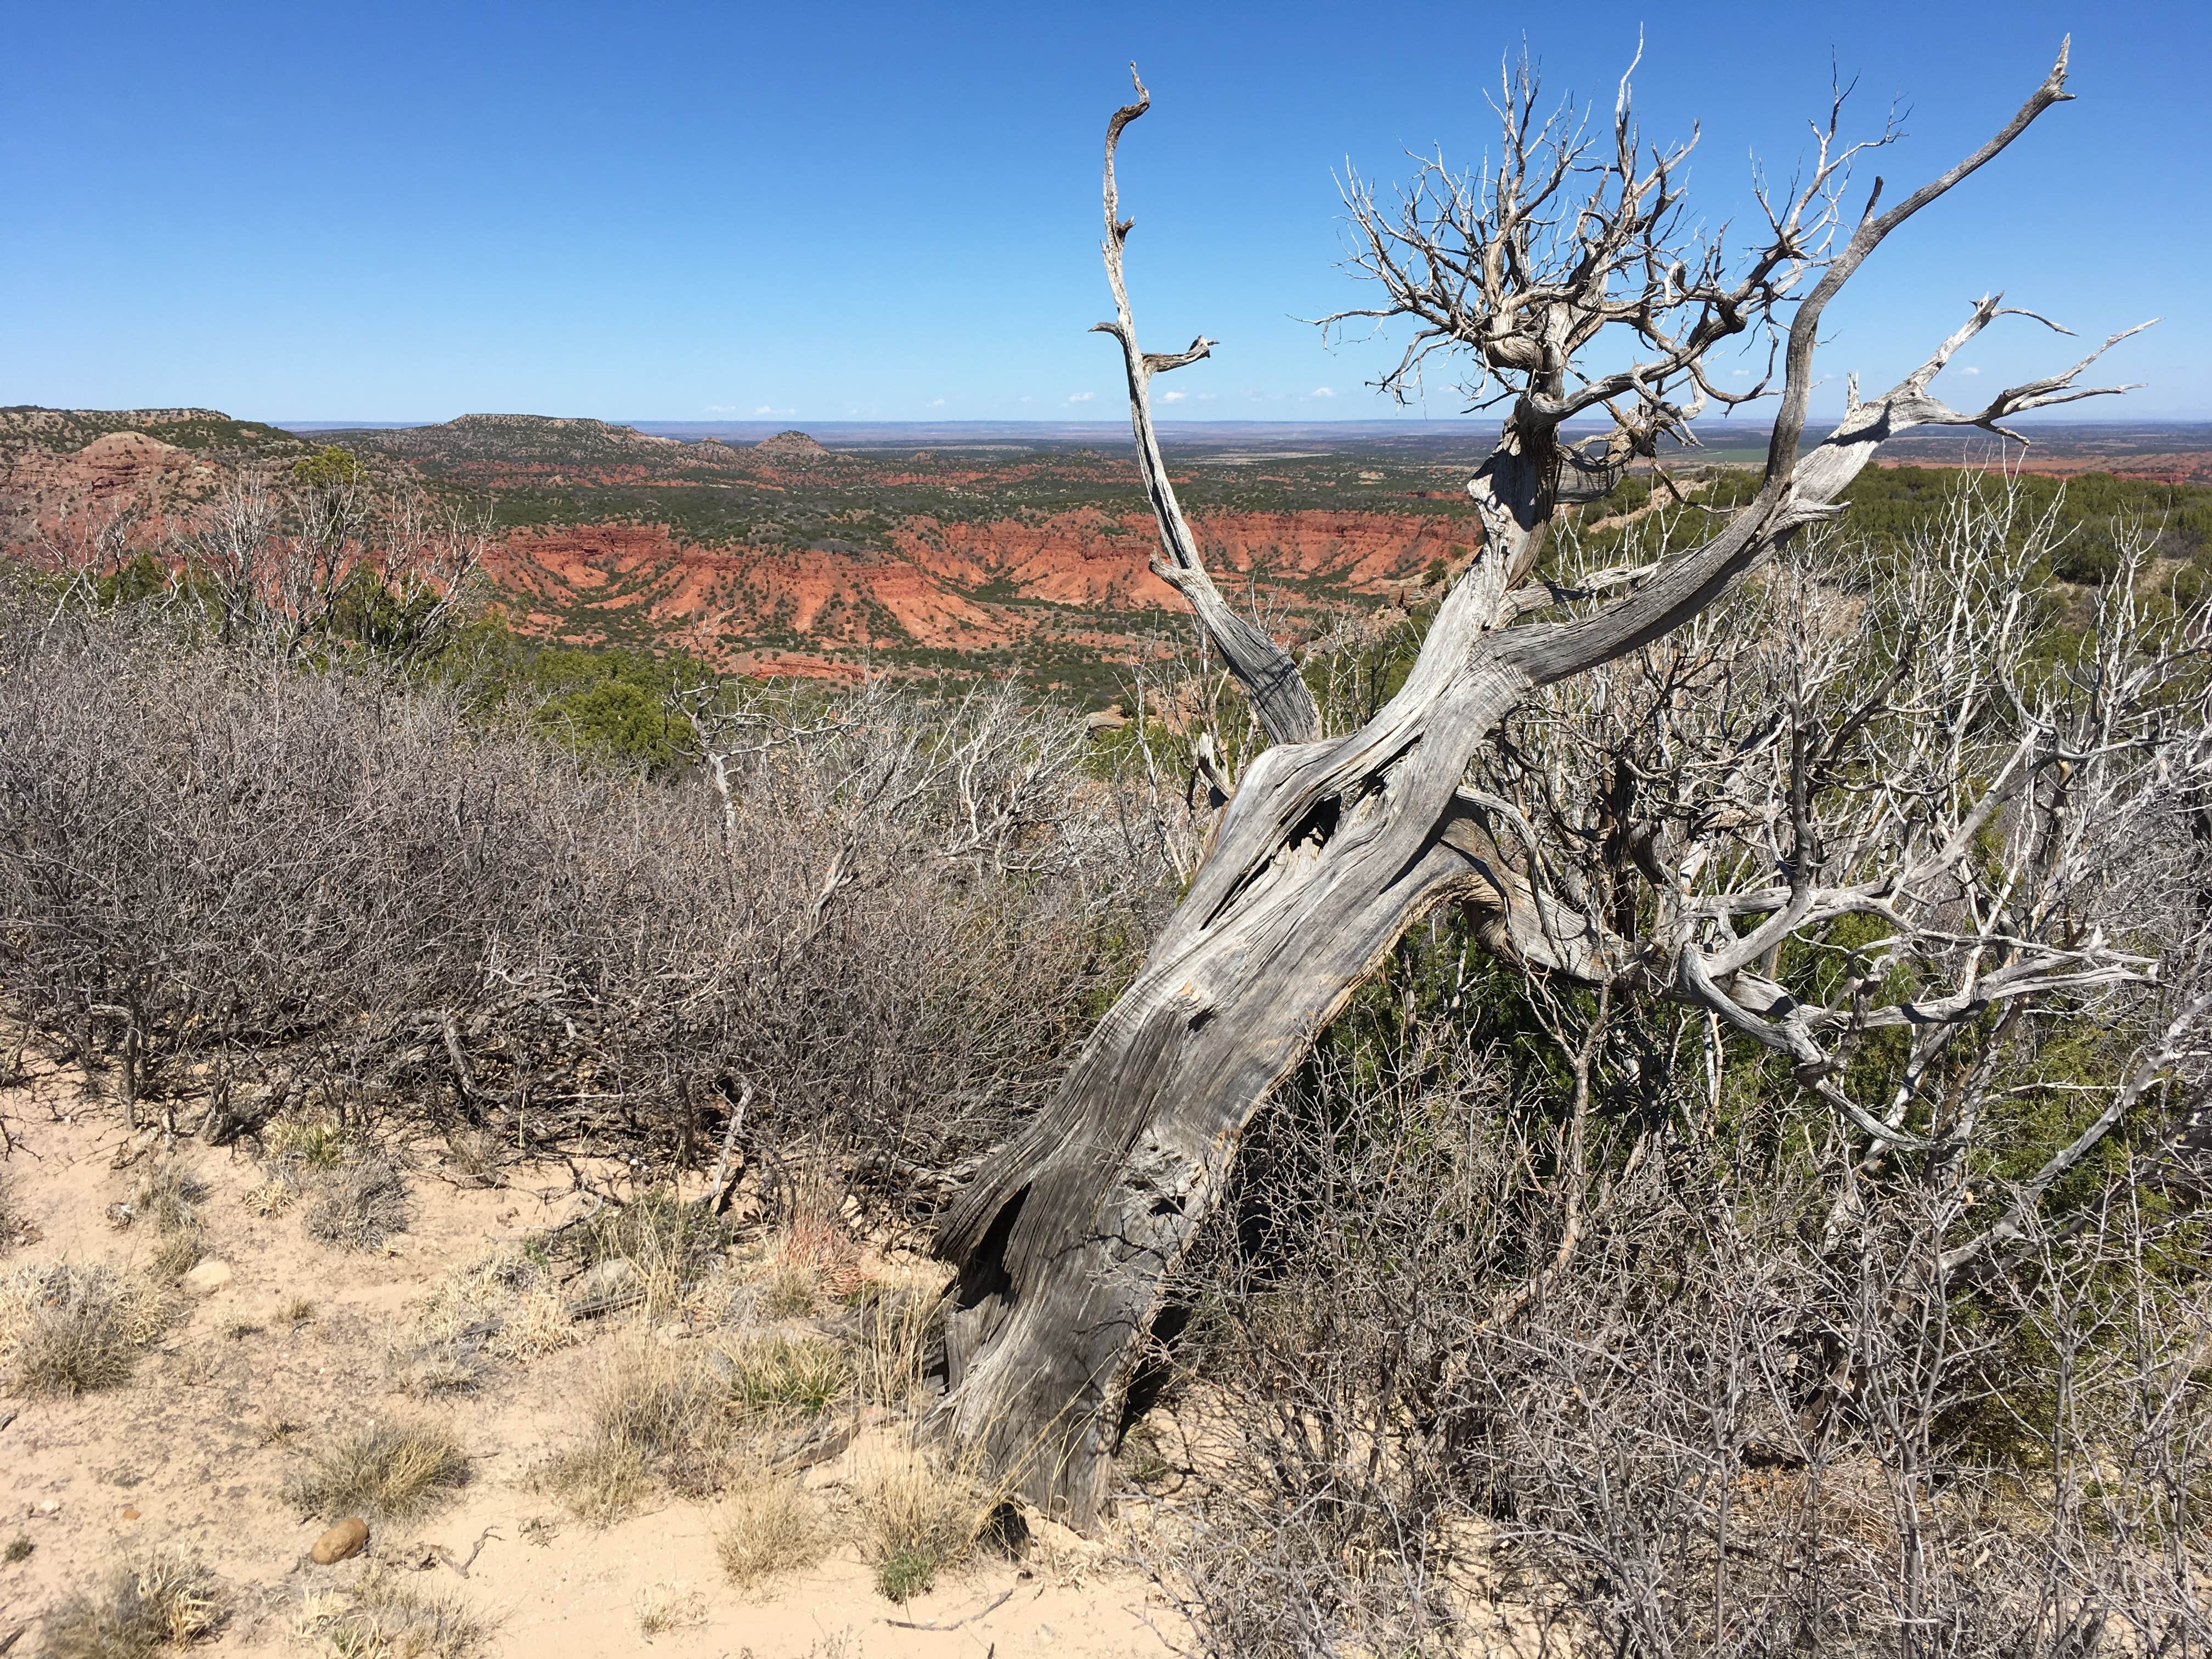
x=967 y=587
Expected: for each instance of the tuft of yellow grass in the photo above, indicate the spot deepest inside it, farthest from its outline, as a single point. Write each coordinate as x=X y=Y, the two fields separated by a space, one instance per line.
x=769 y=1525
x=898 y=1324
x=158 y=1601
x=504 y=1304
x=789 y=1289
x=69 y=1329
x=664 y=1608
x=668 y=1245
x=650 y=1410
x=922 y=1515
x=776 y=1380
x=398 y=1469
x=382 y=1616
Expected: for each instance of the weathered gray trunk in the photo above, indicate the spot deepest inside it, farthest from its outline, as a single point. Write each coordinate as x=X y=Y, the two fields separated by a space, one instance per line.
x=1327 y=854
x=1062 y=1257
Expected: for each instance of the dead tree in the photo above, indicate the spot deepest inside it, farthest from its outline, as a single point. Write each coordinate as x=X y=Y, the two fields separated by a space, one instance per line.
x=1330 y=849
x=280 y=564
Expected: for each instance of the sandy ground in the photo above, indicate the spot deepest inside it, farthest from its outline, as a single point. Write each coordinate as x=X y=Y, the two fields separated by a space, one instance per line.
x=191 y=1455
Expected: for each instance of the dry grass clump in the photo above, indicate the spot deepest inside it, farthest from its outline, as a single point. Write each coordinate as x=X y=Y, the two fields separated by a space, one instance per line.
x=769 y=1525
x=504 y=1305
x=664 y=1608
x=68 y=1329
x=476 y=1154
x=19 y=1549
x=923 y=1515
x=169 y=1195
x=358 y=1206
x=789 y=1289
x=138 y=1608
x=382 y=1616
x=12 y=1218
x=652 y=1414
x=394 y=1469
x=774 y=1380
x=168 y=1198
x=664 y=1246
x=898 y=1329
x=816 y=1255
x=353 y=1196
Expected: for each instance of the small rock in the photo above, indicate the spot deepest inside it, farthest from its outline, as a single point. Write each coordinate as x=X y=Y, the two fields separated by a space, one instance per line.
x=130 y=1511
x=209 y=1277
x=612 y=1278
x=342 y=1540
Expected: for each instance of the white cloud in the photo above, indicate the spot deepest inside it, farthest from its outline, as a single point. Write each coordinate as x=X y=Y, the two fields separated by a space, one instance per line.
x=764 y=410
x=1173 y=397
x=1025 y=398
x=1322 y=391
x=1970 y=371
x=721 y=409
x=1207 y=396
x=934 y=403
x=1078 y=397
x=1741 y=373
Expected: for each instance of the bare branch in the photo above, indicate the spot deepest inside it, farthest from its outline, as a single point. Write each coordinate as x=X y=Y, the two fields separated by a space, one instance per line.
x=1266 y=670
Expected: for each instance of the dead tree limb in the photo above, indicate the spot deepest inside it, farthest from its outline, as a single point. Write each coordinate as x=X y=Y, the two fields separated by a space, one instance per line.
x=1269 y=676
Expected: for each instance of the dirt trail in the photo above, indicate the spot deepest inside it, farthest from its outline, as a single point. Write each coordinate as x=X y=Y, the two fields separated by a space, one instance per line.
x=191 y=1455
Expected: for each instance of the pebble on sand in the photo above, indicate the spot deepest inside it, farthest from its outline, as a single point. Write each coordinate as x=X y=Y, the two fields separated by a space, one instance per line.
x=343 y=1540
x=209 y=1277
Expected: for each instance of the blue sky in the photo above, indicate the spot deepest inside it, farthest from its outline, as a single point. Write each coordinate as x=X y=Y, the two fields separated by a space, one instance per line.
x=677 y=211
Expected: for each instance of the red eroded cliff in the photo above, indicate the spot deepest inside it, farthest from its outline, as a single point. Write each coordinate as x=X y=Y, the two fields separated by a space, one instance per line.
x=1100 y=559
x=964 y=586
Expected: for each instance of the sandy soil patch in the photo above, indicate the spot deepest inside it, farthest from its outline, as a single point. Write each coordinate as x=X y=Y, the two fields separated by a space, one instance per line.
x=256 y=1371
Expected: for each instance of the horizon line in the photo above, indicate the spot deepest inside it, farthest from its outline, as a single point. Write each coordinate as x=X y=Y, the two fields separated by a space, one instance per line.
x=785 y=423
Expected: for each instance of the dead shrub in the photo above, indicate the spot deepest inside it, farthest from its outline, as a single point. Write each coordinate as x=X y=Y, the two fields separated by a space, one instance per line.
x=137 y=1609
x=396 y=1469
x=262 y=863
x=1412 y=1405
